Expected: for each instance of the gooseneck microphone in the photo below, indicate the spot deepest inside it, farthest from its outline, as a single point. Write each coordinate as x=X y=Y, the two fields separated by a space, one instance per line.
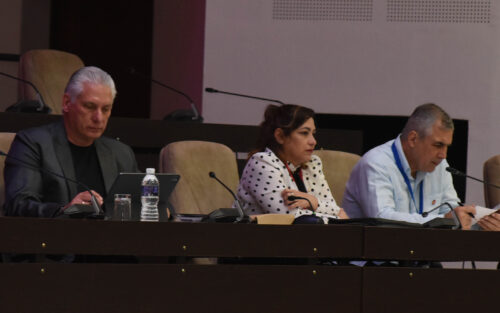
x=293 y=198
x=193 y=114
x=241 y=216
x=212 y=90
x=97 y=209
x=456 y=172
x=455 y=217
x=425 y=214
x=41 y=108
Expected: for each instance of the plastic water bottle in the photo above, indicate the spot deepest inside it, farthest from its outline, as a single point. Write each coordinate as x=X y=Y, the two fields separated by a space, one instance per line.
x=150 y=196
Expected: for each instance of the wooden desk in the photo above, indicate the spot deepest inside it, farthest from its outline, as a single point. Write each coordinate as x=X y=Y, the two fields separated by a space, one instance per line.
x=413 y=290
x=419 y=290
x=430 y=244
x=57 y=287
x=151 y=288
x=53 y=236
x=162 y=286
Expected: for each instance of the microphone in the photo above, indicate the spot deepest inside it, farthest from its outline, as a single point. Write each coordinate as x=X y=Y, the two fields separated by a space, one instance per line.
x=225 y=215
x=293 y=198
x=177 y=115
x=455 y=217
x=212 y=90
x=25 y=105
x=74 y=209
x=456 y=172
x=425 y=214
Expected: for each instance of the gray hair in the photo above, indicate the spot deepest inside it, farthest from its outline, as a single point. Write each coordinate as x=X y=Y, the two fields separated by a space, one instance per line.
x=88 y=74
x=424 y=117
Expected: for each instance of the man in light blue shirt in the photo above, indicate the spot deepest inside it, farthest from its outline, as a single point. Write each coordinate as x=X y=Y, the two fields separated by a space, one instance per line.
x=405 y=177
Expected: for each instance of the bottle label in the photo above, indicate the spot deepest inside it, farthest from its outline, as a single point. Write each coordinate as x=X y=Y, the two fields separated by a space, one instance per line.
x=149 y=191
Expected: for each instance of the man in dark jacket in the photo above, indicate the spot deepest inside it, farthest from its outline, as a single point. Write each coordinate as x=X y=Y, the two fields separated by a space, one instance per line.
x=73 y=147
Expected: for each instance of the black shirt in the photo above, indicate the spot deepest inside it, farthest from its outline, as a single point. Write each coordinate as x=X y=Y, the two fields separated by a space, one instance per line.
x=87 y=168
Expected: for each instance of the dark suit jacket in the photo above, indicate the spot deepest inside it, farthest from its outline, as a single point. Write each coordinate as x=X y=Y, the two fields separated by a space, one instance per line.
x=34 y=193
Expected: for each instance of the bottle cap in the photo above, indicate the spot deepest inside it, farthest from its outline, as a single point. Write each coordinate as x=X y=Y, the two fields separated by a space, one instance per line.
x=150 y=170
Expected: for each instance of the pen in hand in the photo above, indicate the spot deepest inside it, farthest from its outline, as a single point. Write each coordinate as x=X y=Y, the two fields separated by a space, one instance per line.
x=468 y=213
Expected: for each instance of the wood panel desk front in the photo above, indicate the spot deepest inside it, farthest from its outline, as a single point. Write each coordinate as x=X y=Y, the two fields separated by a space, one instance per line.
x=163 y=287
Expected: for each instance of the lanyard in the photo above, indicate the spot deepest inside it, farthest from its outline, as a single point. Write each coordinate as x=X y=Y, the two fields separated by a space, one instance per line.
x=291 y=172
x=297 y=178
x=407 y=180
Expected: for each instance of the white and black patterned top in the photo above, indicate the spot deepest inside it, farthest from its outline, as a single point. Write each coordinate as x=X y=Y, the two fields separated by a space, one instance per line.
x=264 y=178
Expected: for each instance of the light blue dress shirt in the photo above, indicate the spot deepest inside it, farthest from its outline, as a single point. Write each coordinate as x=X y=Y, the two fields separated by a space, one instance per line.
x=376 y=188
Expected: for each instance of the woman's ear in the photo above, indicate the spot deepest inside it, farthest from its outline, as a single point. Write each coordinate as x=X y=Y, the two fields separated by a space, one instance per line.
x=279 y=136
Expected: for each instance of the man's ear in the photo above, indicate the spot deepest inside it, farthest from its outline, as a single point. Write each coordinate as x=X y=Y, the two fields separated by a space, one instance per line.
x=279 y=136
x=412 y=138
x=66 y=102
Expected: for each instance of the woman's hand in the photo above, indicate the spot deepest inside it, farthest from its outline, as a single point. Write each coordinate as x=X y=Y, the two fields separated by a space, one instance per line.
x=299 y=203
x=343 y=214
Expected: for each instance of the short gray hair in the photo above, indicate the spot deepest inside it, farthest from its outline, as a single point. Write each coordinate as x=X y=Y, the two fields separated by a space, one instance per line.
x=88 y=74
x=424 y=117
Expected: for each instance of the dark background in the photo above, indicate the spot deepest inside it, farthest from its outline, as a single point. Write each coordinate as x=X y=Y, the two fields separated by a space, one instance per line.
x=115 y=36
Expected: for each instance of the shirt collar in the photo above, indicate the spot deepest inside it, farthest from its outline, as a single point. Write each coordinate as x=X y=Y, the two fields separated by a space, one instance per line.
x=290 y=165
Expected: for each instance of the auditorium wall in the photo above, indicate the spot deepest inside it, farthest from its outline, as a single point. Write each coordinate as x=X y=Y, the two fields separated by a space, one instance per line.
x=343 y=57
x=359 y=57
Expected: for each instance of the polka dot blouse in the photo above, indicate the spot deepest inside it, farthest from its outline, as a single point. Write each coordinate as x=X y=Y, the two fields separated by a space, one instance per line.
x=264 y=178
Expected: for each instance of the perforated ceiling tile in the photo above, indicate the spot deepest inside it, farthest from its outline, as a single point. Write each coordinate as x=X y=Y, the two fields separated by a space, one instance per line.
x=439 y=11
x=336 y=10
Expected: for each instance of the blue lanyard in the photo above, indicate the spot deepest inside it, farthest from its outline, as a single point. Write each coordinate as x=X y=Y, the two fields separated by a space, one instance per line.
x=407 y=180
